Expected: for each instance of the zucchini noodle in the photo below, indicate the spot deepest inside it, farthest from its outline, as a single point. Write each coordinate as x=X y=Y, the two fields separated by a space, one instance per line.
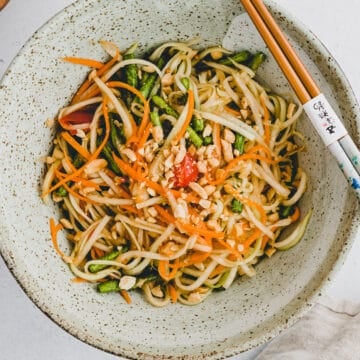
x=175 y=174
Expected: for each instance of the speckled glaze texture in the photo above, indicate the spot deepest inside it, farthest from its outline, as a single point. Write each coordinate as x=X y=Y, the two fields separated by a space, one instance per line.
x=253 y=310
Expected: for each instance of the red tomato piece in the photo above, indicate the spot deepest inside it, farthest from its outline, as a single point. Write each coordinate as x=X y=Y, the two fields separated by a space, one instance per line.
x=82 y=118
x=186 y=172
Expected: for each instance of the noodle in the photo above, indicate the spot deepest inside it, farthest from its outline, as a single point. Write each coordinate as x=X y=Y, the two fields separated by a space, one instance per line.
x=175 y=174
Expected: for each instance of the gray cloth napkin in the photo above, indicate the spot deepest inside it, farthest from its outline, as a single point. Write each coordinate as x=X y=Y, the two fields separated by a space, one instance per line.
x=329 y=331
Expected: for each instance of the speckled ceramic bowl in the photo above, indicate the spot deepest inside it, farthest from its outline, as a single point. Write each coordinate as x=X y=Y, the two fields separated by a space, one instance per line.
x=253 y=310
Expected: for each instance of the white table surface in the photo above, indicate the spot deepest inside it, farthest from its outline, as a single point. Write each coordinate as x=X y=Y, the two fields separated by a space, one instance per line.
x=25 y=332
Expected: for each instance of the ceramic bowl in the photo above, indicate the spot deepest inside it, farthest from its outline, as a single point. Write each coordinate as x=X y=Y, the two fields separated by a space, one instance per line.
x=253 y=310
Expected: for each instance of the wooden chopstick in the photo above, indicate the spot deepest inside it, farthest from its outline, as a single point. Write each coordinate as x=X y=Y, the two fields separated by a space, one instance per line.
x=276 y=51
x=320 y=112
x=288 y=50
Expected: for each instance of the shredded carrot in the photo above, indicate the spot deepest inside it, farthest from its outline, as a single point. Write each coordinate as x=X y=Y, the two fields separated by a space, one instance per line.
x=218 y=270
x=144 y=136
x=137 y=176
x=145 y=118
x=295 y=216
x=165 y=214
x=232 y=111
x=99 y=253
x=131 y=209
x=195 y=258
x=54 y=229
x=233 y=163
x=92 y=157
x=125 y=294
x=84 y=61
x=188 y=118
x=78 y=280
x=217 y=139
x=173 y=293
x=199 y=231
x=77 y=195
x=228 y=246
x=93 y=254
x=85 y=86
x=252 y=238
x=266 y=121
x=163 y=269
x=75 y=145
x=257 y=148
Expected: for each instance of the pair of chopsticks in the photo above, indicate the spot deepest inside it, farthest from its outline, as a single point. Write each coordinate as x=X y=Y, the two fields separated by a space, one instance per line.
x=318 y=109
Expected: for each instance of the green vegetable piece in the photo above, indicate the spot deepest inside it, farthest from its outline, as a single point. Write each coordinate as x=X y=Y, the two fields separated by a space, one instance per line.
x=116 y=139
x=94 y=268
x=164 y=106
x=286 y=211
x=131 y=71
x=107 y=153
x=61 y=191
x=257 y=60
x=78 y=161
x=208 y=140
x=186 y=82
x=108 y=286
x=149 y=80
x=240 y=57
x=194 y=137
x=155 y=118
x=236 y=206
x=239 y=143
x=198 y=124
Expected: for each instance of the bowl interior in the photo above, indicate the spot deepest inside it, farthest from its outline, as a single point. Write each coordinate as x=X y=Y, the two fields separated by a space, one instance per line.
x=252 y=310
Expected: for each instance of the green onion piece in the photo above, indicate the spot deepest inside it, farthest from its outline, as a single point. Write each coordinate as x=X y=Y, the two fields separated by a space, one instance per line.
x=186 y=82
x=208 y=140
x=286 y=211
x=240 y=57
x=164 y=106
x=61 y=191
x=194 y=137
x=108 y=286
x=155 y=118
x=107 y=153
x=94 y=268
x=239 y=143
x=236 y=206
x=150 y=79
x=198 y=124
x=257 y=60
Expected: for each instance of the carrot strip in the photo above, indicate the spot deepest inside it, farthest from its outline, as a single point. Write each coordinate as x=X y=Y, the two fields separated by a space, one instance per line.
x=54 y=229
x=228 y=246
x=86 y=84
x=218 y=270
x=163 y=269
x=75 y=145
x=252 y=238
x=99 y=253
x=145 y=118
x=232 y=111
x=257 y=148
x=126 y=296
x=188 y=118
x=75 y=194
x=217 y=139
x=234 y=162
x=92 y=157
x=195 y=258
x=199 y=231
x=173 y=293
x=295 y=216
x=84 y=61
x=144 y=136
x=78 y=280
x=165 y=214
x=137 y=176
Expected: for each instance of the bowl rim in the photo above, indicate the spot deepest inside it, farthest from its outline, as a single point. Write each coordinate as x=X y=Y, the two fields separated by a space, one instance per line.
x=307 y=304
